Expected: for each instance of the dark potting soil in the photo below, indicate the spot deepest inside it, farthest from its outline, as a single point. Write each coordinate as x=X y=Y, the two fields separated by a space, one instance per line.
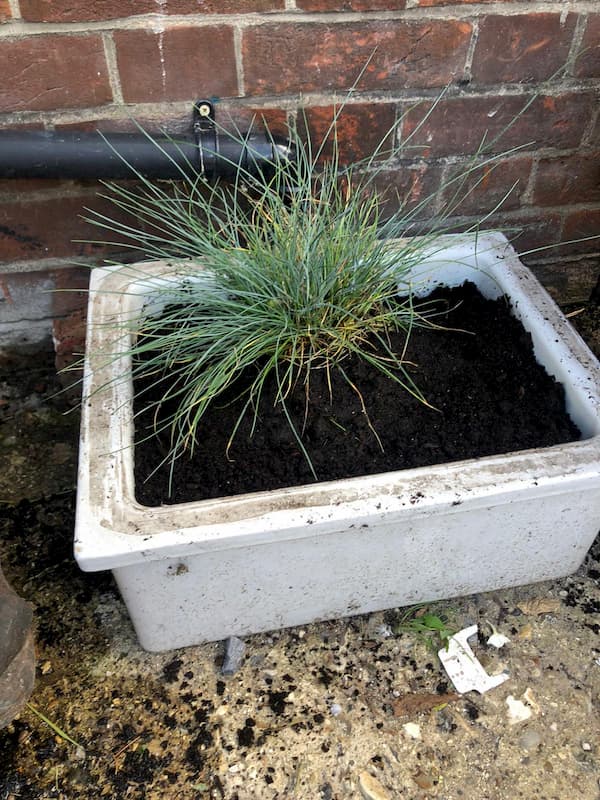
x=489 y=396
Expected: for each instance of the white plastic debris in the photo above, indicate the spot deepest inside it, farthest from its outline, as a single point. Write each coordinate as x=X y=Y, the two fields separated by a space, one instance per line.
x=517 y=710
x=463 y=668
x=412 y=730
x=497 y=639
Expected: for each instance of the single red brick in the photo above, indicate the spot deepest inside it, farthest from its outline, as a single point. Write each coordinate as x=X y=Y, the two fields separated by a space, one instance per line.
x=567 y=280
x=68 y=334
x=360 y=130
x=528 y=232
x=240 y=119
x=588 y=63
x=155 y=124
x=478 y=190
x=90 y=10
x=5 y=12
x=458 y=125
x=287 y=57
x=84 y=10
x=176 y=64
x=411 y=191
x=351 y=5
x=49 y=72
x=22 y=126
x=69 y=310
x=525 y=47
x=9 y=187
x=583 y=224
x=429 y=3
x=230 y=116
x=568 y=179
x=48 y=228
x=71 y=290
x=221 y=6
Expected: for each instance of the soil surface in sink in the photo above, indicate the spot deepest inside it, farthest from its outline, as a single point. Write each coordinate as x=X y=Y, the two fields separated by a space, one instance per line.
x=487 y=395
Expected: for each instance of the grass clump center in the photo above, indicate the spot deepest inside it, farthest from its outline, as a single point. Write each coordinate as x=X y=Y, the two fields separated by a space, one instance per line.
x=284 y=285
x=288 y=270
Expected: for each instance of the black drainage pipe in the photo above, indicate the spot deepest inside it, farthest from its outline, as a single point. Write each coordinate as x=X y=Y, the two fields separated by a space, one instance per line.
x=73 y=154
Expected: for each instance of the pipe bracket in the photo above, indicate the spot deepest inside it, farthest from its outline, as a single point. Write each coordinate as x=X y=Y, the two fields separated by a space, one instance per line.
x=206 y=137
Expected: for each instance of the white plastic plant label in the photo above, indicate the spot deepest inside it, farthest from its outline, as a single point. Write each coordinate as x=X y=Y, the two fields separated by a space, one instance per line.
x=463 y=667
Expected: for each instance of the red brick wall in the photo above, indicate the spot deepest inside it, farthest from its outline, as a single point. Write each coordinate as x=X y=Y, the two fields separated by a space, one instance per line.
x=87 y=64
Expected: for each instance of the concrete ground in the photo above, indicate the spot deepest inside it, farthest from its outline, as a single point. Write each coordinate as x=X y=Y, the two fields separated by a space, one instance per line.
x=354 y=708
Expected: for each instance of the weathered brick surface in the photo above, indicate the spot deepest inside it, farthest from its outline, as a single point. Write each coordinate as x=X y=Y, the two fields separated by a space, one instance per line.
x=71 y=284
x=5 y=13
x=222 y=6
x=151 y=123
x=22 y=126
x=588 y=63
x=458 y=125
x=567 y=280
x=50 y=72
x=68 y=335
x=255 y=118
x=429 y=3
x=293 y=57
x=230 y=115
x=88 y=10
x=360 y=129
x=498 y=185
x=47 y=228
x=92 y=10
x=526 y=47
x=568 y=180
x=69 y=309
x=528 y=233
x=176 y=64
x=351 y=5
x=581 y=225
x=411 y=189
x=9 y=187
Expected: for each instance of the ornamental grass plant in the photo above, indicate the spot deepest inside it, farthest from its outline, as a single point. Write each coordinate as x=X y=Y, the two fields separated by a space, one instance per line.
x=278 y=274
